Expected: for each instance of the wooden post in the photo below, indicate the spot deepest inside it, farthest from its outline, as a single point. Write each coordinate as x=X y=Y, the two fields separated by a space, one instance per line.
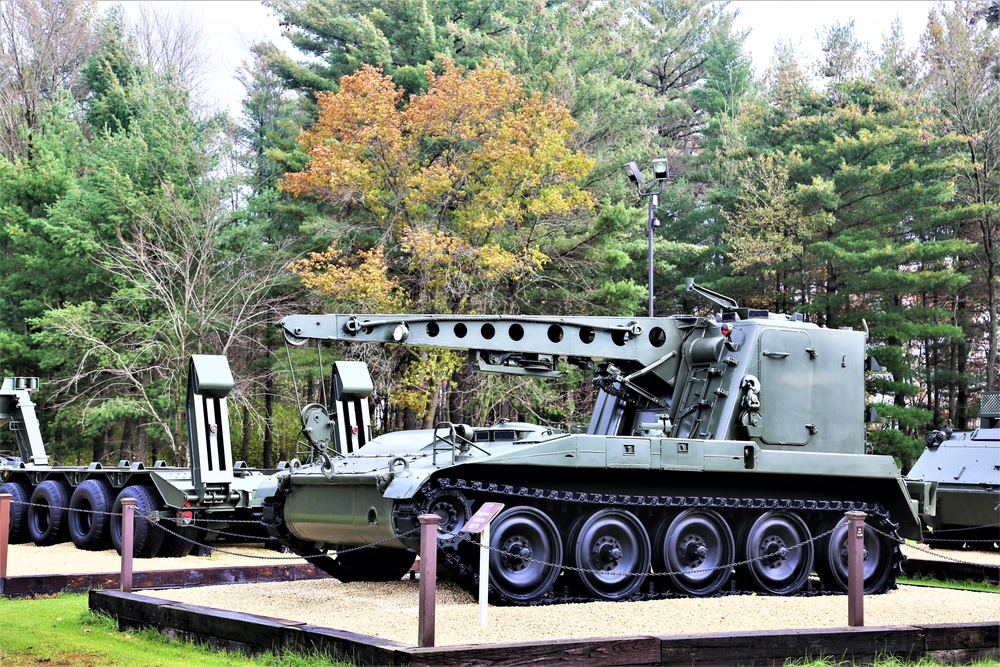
x=5 y=499
x=855 y=569
x=128 y=537
x=428 y=578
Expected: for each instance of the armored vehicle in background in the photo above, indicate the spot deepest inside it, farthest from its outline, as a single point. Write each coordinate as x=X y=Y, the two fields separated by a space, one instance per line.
x=738 y=439
x=82 y=504
x=960 y=475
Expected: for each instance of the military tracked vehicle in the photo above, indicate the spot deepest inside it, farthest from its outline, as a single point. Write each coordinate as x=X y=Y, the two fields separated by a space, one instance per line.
x=82 y=504
x=959 y=477
x=734 y=439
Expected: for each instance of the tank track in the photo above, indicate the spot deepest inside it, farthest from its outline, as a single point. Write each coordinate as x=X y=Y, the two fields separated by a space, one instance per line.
x=459 y=558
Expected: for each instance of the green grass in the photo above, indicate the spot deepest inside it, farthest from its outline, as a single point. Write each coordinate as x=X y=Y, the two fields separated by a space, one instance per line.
x=969 y=585
x=888 y=662
x=61 y=630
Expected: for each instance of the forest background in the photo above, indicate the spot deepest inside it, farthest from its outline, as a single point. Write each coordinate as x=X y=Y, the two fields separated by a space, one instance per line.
x=465 y=156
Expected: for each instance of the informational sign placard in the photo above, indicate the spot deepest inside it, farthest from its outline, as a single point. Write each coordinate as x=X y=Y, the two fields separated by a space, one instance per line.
x=482 y=518
x=480 y=523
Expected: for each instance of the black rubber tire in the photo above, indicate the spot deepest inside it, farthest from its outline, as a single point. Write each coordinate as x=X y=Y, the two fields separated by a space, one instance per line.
x=147 y=538
x=48 y=514
x=18 y=532
x=90 y=515
x=174 y=543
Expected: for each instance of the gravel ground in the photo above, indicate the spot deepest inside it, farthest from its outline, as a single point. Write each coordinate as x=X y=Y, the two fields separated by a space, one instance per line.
x=390 y=610
x=24 y=559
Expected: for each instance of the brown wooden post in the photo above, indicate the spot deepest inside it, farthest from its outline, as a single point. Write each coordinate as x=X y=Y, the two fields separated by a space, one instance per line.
x=5 y=499
x=428 y=578
x=128 y=537
x=855 y=569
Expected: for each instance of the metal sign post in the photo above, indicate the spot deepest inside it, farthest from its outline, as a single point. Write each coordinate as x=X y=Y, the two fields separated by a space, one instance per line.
x=480 y=523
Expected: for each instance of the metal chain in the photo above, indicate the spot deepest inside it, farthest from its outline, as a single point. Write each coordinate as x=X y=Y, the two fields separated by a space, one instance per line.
x=291 y=557
x=155 y=520
x=922 y=550
x=151 y=516
x=950 y=558
x=952 y=530
x=581 y=570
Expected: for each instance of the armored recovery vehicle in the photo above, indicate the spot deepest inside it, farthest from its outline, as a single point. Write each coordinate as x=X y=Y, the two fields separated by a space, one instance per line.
x=959 y=477
x=82 y=504
x=715 y=441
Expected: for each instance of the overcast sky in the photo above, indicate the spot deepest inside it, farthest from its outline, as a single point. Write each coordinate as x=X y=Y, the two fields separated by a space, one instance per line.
x=230 y=26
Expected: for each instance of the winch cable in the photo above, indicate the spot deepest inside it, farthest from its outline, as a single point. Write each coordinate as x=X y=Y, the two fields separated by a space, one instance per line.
x=322 y=376
x=295 y=383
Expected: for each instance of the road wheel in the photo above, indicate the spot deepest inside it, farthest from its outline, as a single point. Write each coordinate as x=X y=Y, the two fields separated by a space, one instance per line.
x=612 y=549
x=525 y=554
x=780 y=552
x=879 y=559
x=697 y=549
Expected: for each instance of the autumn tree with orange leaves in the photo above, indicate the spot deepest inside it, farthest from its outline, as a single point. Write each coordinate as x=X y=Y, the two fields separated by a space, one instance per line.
x=461 y=185
x=463 y=188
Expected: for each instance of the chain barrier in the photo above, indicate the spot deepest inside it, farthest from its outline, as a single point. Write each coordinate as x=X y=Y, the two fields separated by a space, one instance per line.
x=291 y=557
x=581 y=570
x=902 y=542
x=154 y=519
x=943 y=556
x=953 y=530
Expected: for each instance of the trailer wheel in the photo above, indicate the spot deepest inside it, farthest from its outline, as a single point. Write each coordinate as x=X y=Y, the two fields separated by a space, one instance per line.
x=90 y=515
x=18 y=511
x=48 y=512
x=146 y=538
x=175 y=542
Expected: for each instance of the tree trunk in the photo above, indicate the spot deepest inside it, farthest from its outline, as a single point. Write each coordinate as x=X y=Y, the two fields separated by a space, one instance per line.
x=268 y=414
x=245 y=432
x=142 y=446
x=125 y=449
x=98 y=451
